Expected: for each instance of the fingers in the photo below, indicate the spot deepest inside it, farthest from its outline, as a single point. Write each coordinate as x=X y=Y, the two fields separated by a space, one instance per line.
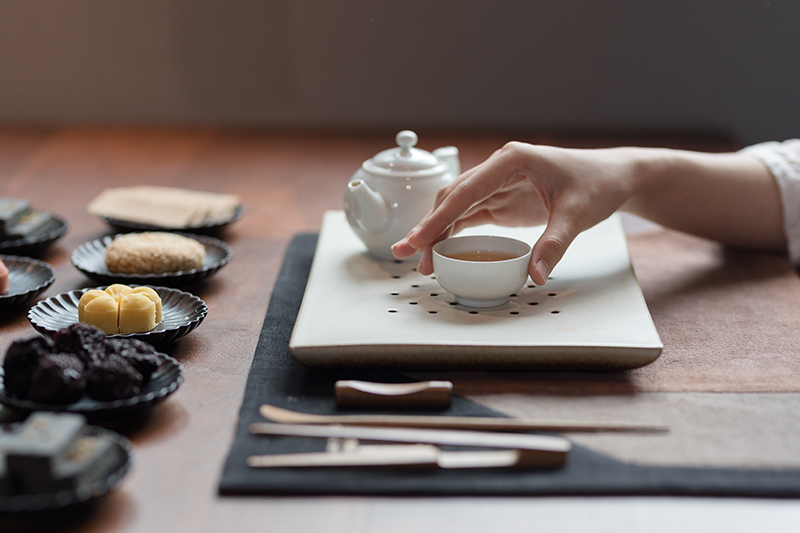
x=402 y=250
x=452 y=203
x=478 y=218
x=561 y=230
x=425 y=266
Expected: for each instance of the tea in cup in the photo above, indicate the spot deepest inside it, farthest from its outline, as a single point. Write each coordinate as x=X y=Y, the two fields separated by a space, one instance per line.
x=481 y=270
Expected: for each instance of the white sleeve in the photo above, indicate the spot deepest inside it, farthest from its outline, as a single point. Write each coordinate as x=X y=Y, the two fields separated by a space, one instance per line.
x=783 y=160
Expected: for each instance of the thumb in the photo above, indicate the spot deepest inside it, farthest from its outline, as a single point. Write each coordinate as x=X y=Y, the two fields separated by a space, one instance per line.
x=550 y=248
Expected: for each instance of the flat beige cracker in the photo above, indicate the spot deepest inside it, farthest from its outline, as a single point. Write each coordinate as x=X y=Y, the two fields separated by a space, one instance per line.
x=166 y=207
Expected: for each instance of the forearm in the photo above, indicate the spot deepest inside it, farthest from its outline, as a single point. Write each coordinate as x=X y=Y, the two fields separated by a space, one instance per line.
x=731 y=198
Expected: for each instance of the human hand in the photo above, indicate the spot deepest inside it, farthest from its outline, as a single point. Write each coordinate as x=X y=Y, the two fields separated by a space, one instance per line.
x=525 y=185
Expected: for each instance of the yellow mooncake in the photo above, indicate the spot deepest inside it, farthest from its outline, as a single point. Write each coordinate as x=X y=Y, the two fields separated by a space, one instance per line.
x=121 y=309
x=99 y=309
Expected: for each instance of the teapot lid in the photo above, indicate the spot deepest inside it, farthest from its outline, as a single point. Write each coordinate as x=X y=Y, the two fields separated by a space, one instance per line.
x=405 y=160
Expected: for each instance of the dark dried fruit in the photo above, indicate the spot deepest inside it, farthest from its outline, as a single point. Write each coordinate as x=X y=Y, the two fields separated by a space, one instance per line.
x=121 y=345
x=86 y=341
x=21 y=360
x=145 y=363
x=58 y=378
x=141 y=355
x=113 y=378
x=79 y=359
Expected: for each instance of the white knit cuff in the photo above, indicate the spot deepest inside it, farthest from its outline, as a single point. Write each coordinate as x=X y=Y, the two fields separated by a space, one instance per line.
x=783 y=160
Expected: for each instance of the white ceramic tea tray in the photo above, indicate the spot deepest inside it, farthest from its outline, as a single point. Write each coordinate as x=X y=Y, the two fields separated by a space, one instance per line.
x=358 y=311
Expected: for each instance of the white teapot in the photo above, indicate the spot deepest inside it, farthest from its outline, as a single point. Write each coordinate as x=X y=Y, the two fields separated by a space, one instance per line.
x=394 y=190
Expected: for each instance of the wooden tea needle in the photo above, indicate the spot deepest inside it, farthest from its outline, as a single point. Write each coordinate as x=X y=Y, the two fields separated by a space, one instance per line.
x=286 y=416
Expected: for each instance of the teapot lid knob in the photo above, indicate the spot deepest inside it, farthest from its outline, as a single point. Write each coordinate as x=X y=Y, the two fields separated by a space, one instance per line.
x=406 y=139
x=406 y=160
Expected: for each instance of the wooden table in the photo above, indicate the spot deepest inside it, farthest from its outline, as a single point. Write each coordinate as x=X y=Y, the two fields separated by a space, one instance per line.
x=287 y=181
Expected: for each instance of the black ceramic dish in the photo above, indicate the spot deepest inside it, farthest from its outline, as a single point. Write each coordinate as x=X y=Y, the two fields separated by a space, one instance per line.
x=27 y=279
x=210 y=228
x=183 y=312
x=162 y=383
x=38 y=241
x=106 y=480
x=90 y=258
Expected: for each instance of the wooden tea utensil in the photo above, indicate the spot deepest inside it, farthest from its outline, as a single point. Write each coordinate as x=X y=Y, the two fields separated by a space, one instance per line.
x=532 y=451
x=285 y=416
x=397 y=455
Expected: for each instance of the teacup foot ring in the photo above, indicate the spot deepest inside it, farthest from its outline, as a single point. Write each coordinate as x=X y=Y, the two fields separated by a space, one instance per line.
x=481 y=303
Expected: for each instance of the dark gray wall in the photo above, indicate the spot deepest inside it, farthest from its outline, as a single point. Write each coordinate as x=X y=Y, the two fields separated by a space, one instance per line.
x=728 y=65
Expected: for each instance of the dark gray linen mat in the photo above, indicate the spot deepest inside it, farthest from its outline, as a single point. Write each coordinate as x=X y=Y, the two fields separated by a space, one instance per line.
x=276 y=378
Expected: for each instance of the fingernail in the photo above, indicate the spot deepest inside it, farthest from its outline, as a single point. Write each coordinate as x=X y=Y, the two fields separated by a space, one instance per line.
x=401 y=242
x=543 y=269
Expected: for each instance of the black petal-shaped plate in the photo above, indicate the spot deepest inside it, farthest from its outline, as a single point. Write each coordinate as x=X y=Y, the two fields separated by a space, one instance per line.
x=183 y=312
x=213 y=227
x=163 y=382
x=105 y=480
x=39 y=240
x=27 y=278
x=90 y=258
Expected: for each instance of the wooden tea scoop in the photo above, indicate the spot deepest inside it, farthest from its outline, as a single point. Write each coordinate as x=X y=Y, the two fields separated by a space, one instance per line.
x=285 y=416
x=540 y=451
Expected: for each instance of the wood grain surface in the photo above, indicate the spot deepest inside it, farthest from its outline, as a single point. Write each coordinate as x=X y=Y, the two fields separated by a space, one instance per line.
x=287 y=180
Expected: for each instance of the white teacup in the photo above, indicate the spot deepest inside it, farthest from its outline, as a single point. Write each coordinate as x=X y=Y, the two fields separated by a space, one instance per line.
x=483 y=270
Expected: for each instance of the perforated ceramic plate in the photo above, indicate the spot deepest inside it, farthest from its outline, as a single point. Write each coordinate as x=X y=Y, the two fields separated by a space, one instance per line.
x=106 y=479
x=90 y=258
x=27 y=279
x=358 y=311
x=213 y=227
x=37 y=241
x=164 y=381
x=182 y=311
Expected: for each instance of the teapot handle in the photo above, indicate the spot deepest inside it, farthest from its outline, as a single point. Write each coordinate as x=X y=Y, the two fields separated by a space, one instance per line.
x=449 y=154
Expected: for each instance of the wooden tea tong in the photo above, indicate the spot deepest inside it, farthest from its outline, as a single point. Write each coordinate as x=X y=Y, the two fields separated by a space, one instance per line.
x=514 y=450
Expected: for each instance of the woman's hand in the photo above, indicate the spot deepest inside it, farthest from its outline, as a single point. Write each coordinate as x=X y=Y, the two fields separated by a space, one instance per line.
x=731 y=198
x=526 y=185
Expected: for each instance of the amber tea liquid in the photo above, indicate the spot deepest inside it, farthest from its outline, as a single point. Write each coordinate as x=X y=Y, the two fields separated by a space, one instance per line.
x=482 y=255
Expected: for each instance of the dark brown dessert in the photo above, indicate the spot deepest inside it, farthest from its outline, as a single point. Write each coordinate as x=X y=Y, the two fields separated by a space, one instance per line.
x=11 y=211
x=52 y=452
x=58 y=378
x=18 y=220
x=84 y=340
x=31 y=223
x=79 y=360
x=20 y=362
x=113 y=378
x=139 y=354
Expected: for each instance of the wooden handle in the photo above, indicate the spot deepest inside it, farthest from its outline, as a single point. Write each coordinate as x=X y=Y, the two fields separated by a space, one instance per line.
x=420 y=395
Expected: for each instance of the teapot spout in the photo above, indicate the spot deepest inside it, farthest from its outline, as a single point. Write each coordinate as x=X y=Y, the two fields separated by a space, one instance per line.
x=449 y=154
x=366 y=207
